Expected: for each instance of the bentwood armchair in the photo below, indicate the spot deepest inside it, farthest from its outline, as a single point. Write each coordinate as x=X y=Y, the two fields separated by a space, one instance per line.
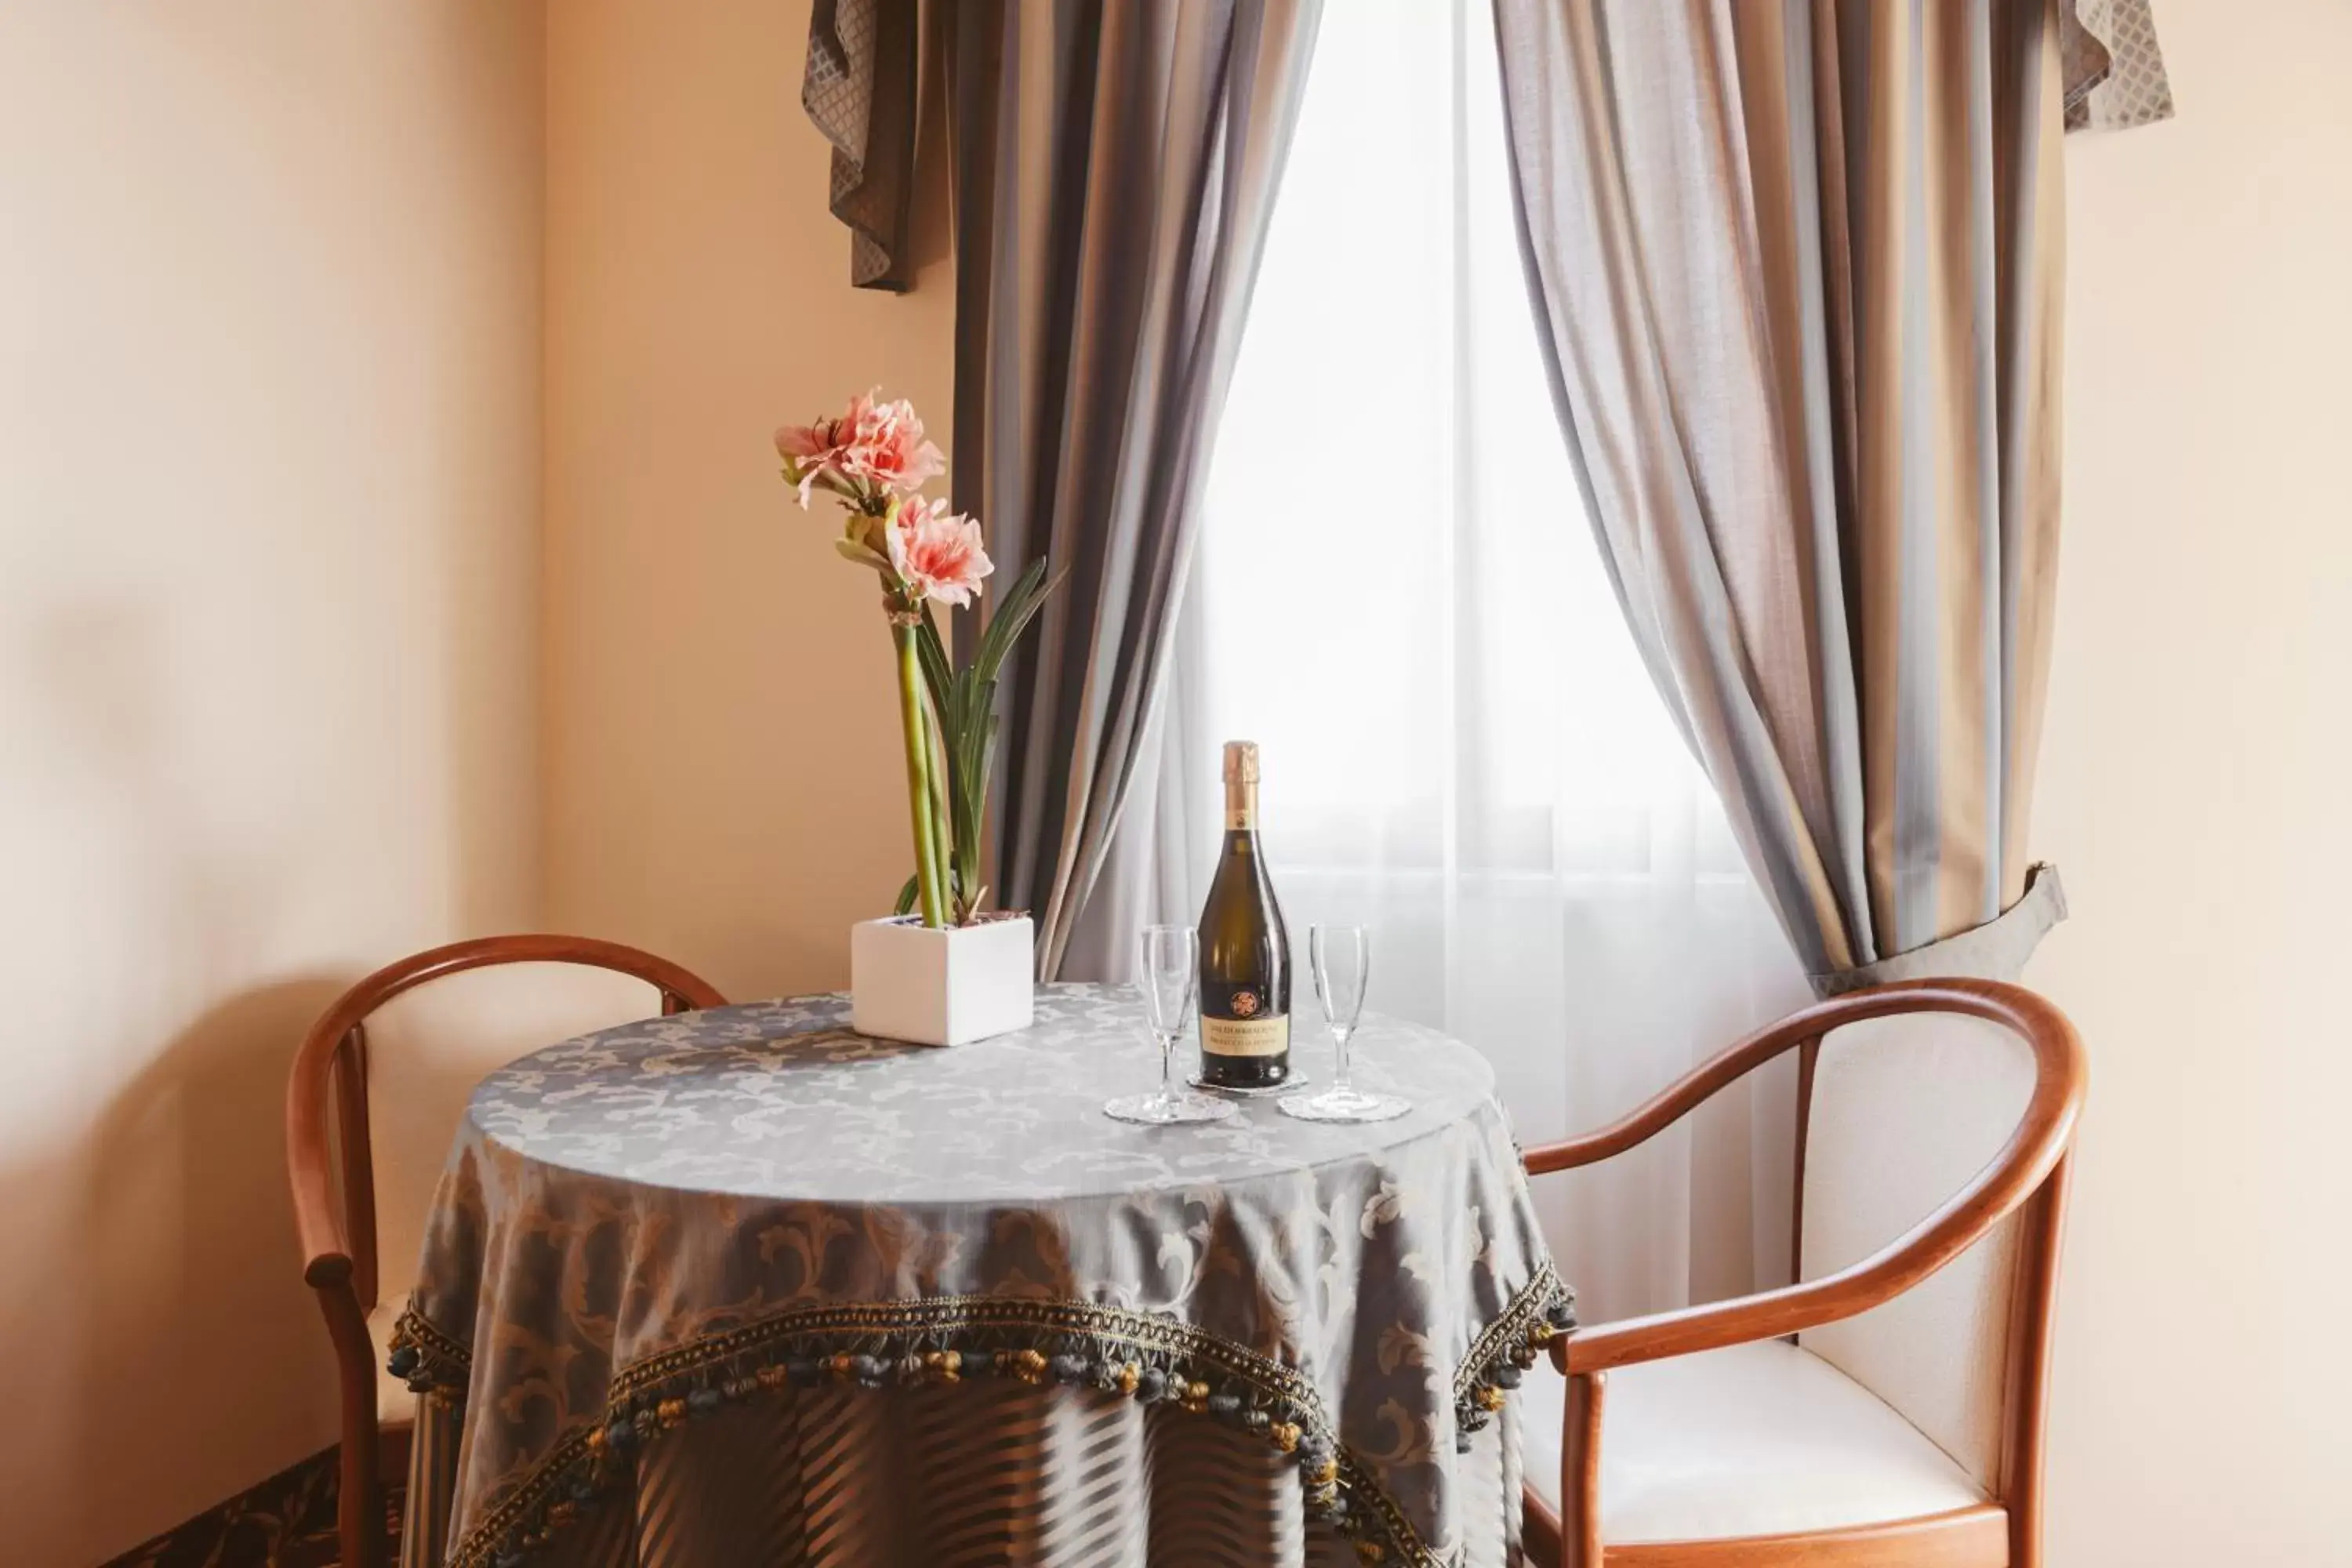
x=373 y=1102
x=1885 y=1411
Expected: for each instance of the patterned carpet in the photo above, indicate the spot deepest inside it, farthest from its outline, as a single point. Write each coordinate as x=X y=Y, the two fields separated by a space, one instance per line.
x=287 y=1521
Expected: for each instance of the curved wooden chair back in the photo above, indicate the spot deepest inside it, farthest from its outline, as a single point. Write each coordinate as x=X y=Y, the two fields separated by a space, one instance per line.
x=359 y=1217
x=2017 y=1190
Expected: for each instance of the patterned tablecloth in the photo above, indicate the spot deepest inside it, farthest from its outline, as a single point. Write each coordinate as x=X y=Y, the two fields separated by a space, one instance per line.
x=650 y=1235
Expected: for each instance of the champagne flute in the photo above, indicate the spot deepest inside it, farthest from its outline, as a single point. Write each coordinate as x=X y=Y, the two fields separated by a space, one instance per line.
x=1341 y=959
x=1170 y=970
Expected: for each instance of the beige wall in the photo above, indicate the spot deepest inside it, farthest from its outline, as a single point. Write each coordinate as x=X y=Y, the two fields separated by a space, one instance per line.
x=268 y=512
x=721 y=780
x=270 y=446
x=2194 y=788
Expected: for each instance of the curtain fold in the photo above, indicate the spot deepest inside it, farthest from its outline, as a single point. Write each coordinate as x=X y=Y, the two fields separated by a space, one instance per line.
x=2113 y=66
x=860 y=87
x=1116 y=162
x=1796 y=270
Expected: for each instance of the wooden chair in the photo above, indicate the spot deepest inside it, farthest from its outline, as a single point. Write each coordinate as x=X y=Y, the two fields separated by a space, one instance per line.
x=1888 y=1409
x=389 y=1067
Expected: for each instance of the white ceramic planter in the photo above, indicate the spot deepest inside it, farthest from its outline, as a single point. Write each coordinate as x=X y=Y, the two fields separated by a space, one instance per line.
x=944 y=987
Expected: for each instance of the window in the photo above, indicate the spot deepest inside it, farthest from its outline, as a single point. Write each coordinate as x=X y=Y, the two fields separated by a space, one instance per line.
x=1399 y=597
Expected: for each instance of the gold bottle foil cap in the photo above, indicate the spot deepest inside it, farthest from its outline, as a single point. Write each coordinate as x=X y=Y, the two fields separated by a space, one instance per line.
x=1241 y=761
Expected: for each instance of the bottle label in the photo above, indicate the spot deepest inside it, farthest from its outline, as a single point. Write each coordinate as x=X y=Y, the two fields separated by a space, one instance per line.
x=1266 y=1036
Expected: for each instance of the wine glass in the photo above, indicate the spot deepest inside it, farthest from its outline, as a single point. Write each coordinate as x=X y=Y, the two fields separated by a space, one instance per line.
x=1171 y=968
x=1342 y=960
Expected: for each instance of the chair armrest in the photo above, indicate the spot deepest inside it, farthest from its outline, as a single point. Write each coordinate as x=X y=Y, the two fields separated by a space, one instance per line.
x=318 y=1221
x=2037 y=1148
x=1791 y=1309
x=2056 y=1050
x=319 y=1224
x=1679 y=1100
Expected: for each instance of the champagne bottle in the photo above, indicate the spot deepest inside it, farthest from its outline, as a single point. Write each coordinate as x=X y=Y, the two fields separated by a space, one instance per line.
x=1245 y=952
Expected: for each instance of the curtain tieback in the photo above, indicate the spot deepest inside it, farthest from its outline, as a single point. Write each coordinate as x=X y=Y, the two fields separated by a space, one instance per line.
x=1996 y=950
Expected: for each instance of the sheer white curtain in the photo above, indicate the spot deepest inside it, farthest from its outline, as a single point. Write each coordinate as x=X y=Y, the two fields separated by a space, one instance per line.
x=1397 y=595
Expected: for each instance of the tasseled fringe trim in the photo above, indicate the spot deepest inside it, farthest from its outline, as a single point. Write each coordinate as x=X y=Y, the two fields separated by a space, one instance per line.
x=944 y=1339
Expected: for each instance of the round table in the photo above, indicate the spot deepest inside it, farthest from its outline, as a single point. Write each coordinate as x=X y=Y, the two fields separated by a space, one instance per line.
x=940 y=1283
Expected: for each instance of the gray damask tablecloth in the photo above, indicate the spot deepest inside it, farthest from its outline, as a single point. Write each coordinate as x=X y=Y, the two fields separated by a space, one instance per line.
x=697 y=1225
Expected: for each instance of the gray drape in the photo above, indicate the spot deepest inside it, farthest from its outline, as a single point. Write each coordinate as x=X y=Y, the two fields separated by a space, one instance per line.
x=860 y=87
x=2113 y=66
x=1796 y=266
x=1115 y=166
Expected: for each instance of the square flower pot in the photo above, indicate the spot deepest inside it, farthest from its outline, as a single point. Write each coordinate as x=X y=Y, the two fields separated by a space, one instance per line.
x=908 y=981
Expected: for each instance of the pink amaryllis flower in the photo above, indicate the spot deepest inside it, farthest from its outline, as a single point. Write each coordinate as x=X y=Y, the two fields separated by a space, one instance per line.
x=807 y=451
x=938 y=552
x=873 y=451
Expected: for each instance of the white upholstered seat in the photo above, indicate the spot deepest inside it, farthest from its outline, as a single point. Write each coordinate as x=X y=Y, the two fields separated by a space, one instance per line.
x=1759 y=1439
x=1905 y=1110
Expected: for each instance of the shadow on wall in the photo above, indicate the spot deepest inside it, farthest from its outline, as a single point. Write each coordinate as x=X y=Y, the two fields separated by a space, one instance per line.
x=170 y=1305
x=270 y=565
x=185 y=860
x=163 y=1351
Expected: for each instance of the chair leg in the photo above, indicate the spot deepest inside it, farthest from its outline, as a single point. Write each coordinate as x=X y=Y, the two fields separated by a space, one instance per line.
x=1580 y=1472
x=359 y=1498
x=359 y=1503
x=2043 y=1220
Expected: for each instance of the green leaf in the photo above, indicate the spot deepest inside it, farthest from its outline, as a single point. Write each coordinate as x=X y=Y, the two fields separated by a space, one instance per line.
x=938 y=673
x=1011 y=618
x=960 y=725
x=907 y=896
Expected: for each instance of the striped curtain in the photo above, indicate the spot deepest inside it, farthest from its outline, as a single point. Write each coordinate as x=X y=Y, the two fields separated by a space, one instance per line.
x=1796 y=266
x=1116 y=162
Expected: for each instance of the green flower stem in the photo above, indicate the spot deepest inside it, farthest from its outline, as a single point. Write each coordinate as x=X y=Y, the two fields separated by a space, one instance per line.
x=918 y=779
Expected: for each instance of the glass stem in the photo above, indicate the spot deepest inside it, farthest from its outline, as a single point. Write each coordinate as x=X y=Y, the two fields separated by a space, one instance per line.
x=1340 y=1044
x=1167 y=1057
